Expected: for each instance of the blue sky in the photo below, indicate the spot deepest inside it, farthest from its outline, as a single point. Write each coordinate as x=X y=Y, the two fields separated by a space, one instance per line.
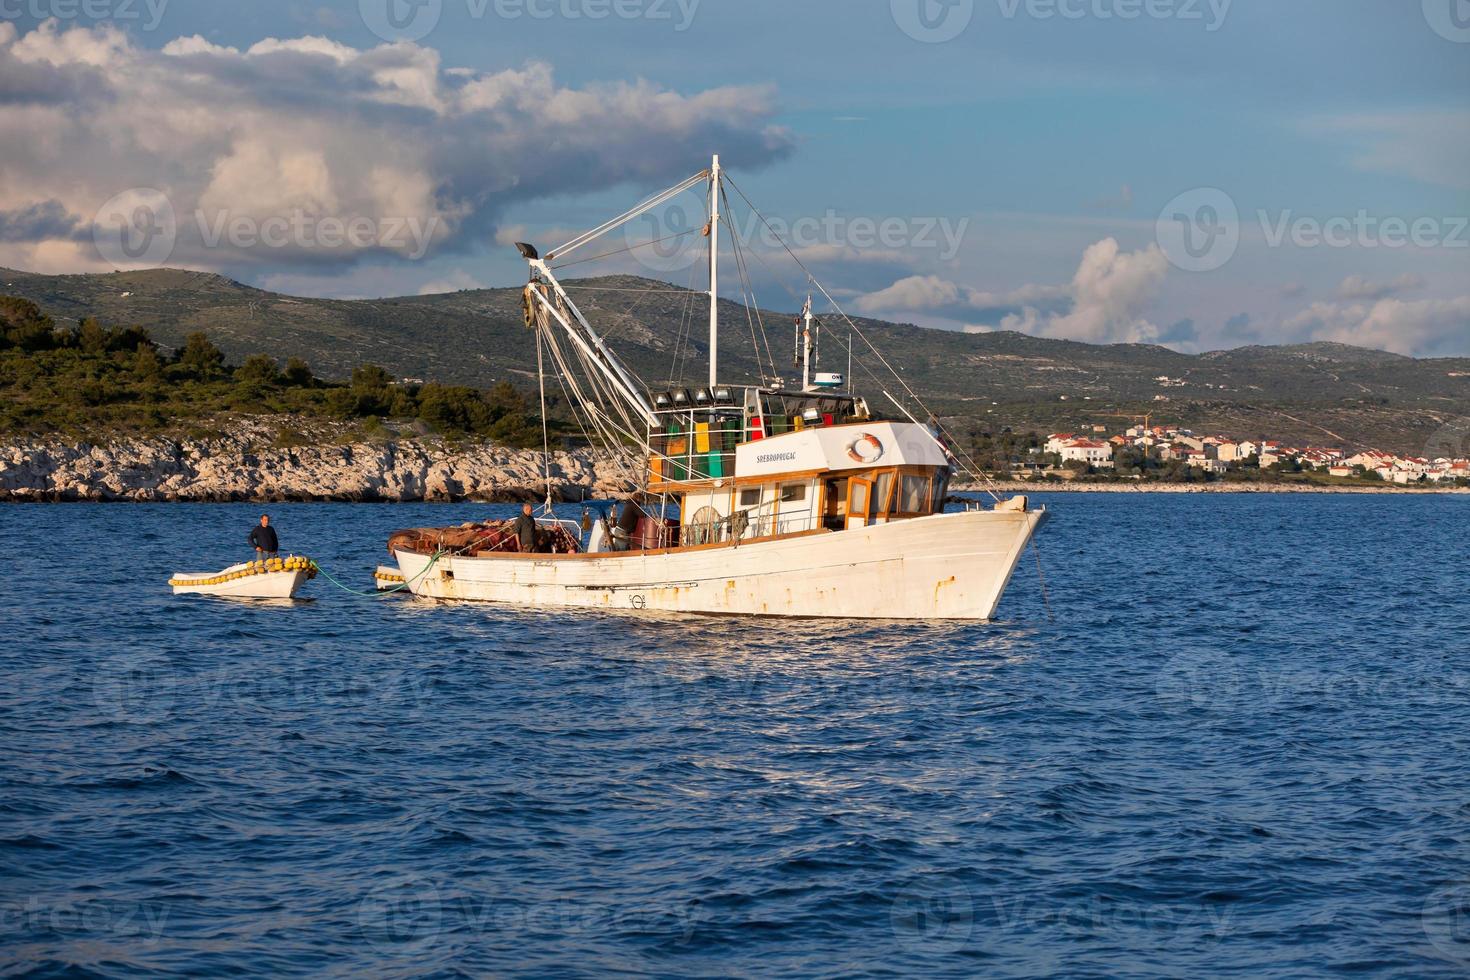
x=1047 y=136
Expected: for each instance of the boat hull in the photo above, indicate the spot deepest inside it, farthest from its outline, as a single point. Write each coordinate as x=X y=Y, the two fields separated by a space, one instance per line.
x=266 y=585
x=948 y=566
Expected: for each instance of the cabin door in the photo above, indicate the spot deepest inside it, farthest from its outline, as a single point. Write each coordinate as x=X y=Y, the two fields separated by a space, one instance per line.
x=859 y=502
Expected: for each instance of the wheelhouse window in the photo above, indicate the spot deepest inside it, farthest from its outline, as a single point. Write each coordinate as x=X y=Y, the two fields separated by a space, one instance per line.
x=913 y=494
x=750 y=497
x=793 y=493
x=881 y=490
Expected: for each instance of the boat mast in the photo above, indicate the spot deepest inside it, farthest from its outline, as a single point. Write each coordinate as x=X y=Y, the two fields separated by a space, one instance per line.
x=714 y=273
x=808 y=345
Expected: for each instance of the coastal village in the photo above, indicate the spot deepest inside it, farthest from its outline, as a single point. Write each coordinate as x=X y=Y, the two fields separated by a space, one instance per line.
x=1070 y=455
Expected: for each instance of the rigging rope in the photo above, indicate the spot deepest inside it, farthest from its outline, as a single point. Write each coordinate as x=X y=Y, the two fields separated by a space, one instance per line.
x=954 y=446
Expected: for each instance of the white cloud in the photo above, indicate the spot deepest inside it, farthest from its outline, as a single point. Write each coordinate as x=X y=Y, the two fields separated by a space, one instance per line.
x=1414 y=328
x=931 y=294
x=1104 y=303
x=312 y=129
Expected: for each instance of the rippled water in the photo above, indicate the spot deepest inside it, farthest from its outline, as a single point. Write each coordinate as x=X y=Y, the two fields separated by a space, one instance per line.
x=1241 y=748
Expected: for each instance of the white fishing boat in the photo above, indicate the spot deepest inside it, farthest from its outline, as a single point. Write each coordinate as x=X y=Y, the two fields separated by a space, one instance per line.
x=273 y=578
x=767 y=499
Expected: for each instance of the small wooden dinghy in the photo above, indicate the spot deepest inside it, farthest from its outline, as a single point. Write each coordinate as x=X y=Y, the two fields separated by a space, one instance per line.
x=274 y=578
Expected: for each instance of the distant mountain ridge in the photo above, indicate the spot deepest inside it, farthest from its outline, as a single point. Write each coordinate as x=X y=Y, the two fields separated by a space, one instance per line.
x=476 y=337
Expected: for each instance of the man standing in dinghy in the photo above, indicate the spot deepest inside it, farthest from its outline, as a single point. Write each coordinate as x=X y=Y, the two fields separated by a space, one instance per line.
x=263 y=538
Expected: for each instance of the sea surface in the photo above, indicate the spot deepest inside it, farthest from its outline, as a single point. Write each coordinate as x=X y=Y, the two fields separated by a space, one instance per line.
x=1240 y=748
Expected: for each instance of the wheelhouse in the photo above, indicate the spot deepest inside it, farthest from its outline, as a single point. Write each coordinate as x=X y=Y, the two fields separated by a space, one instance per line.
x=749 y=464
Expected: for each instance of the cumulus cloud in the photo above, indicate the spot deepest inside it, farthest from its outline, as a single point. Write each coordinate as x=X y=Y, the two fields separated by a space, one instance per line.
x=1104 y=302
x=932 y=294
x=308 y=136
x=1404 y=327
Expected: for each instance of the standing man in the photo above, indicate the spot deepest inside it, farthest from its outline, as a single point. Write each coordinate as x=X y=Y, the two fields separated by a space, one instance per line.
x=263 y=538
x=525 y=528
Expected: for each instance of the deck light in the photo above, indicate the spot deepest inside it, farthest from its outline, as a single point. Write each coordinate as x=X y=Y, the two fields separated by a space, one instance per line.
x=681 y=398
x=702 y=397
x=724 y=396
x=663 y=401
x=812 y=416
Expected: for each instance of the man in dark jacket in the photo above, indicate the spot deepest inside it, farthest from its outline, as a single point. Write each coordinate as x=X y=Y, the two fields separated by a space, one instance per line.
x=525 y=529
x=263 y=539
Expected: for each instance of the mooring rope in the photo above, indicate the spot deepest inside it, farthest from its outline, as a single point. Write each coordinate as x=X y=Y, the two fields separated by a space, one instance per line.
x=380 y=593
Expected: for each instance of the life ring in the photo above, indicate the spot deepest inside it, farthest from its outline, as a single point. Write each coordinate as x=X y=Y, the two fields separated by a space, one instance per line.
x=865 y=449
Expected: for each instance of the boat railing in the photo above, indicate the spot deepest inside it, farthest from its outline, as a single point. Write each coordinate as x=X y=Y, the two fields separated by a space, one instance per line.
x=746 y=526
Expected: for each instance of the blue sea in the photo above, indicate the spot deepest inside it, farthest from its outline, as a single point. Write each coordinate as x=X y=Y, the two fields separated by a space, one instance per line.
x=1241 y=747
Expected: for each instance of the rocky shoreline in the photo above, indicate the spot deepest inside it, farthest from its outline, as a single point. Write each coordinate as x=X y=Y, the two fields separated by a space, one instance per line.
x=1077 y=486
x=339 y=464
x=248 y=464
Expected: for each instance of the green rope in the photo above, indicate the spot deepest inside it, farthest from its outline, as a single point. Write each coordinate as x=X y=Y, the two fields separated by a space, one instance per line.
x=379 y=593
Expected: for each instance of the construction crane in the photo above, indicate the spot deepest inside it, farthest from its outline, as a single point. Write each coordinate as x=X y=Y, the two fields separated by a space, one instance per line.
x=1147 y=420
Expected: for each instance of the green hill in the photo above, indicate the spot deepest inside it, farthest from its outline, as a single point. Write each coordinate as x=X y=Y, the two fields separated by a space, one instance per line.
x=1323 y=393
